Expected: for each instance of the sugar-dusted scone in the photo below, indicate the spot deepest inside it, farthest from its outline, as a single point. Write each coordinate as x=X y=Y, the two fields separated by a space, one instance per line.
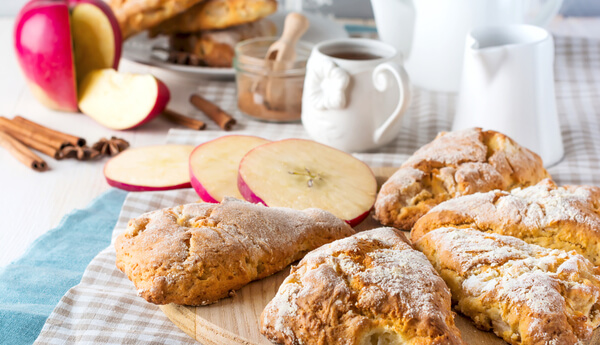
x=135 y=16
x=526 y=294
x=371 y=288
x=216 y=48
x=565 y=217
x=196 y=254
x=454 y=164
x=216 y=14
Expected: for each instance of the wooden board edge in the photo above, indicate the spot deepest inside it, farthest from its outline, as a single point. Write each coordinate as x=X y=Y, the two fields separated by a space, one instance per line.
x=199 y=328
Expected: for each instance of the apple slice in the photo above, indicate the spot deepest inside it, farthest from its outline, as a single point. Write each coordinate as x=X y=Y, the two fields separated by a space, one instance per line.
x=122 y=100
x=214 y=166
x=150 y=168
x=96 y=37
x=299 y=174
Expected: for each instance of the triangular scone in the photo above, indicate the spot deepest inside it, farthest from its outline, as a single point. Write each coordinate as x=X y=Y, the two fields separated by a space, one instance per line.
x=526 y=294
x=454 y=164
x=371 y=288
x=565 y=217
x=196 y=254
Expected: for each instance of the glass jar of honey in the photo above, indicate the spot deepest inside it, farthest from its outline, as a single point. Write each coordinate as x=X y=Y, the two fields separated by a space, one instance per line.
x=269 y=90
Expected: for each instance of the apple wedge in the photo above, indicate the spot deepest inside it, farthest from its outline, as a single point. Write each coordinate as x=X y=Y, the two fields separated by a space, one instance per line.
x=150 y=168
x=299 y=174
x=122 y=100
x=96 y=37
x=214 y=166
x=57 y=42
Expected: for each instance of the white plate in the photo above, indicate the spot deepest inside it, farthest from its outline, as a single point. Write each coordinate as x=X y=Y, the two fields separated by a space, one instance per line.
x=139 y=48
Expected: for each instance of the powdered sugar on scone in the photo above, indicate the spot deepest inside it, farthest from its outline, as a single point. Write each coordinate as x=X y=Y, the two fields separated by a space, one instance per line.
x=454 y=164
x=372 y=281
x=564 y=217
x=523 y=292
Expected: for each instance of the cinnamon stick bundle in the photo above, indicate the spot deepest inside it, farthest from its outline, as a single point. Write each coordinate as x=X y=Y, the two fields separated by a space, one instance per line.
x=73 y=140
x=218 y=115
x=22 y=152
x=13 y=127
x=183 y=120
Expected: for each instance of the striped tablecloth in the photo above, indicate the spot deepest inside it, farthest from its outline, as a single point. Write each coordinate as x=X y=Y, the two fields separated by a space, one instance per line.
x=104 y=308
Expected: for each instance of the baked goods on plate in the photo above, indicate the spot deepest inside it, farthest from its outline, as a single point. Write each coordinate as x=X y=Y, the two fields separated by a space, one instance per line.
x=566 y=217
x=216 y=14
x=525 y=293
x=215 y=48
x=454 y=164
x=371 y=288
x=196 y=254
x=135 y=16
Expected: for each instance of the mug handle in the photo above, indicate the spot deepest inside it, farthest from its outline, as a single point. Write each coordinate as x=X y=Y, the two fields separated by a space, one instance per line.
x=380 y=83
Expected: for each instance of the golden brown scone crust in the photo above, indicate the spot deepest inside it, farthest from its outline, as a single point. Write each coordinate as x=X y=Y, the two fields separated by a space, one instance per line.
x=357 y=290
x=454 y=164
x=216 y=14
x=526 y=294
x=216 y=48
x=196 y=254
x=565 y=217
x=135 y=16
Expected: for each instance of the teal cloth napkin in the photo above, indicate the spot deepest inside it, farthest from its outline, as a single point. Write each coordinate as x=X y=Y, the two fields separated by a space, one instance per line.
x=31 y=286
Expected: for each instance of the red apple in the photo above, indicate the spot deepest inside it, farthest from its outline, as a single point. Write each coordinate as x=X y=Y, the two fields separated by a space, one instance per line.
x=122 y=100
x=300 y=174
x=150 y=168
x=47 y=32
x=214 y=166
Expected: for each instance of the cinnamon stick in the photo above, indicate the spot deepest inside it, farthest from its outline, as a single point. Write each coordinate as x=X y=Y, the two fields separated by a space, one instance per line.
x=22 y=153
x=28 y=132
x=183 y=120
x=37 y=145
x=218 y=115
x=75 y=141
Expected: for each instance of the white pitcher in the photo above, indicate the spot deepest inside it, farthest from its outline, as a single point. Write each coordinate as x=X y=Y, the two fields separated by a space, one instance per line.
x=431 y=33
x=508 y=86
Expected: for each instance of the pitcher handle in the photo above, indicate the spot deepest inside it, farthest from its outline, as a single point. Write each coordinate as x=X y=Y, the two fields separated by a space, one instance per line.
x=546 y=13
x=380 y=83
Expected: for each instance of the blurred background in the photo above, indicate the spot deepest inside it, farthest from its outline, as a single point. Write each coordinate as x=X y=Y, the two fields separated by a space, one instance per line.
x=353 y=8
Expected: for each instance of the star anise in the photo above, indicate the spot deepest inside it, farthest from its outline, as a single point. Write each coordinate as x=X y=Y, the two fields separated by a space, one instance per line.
x=110 y=147
x=82 y=153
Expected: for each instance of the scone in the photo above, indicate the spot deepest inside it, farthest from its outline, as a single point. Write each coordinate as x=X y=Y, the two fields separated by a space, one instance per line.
x=565 y=218
x=135 y=16
x=371 y=288
x=454 y=164
x=216 y=14
x=526 y=294
x=215 y=48
x=196 y=254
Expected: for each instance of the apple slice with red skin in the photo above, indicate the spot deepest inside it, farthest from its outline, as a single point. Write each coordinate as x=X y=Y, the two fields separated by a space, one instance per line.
x=150 y=168
x=299 y=174
x=45 y=36
x=122 y=100
x=214 y=166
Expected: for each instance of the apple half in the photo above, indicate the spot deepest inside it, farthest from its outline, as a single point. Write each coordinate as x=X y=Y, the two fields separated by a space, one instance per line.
x=150 y=168
x=214 y=166
x=122 y=100
x=299 y=174
x=59 y=41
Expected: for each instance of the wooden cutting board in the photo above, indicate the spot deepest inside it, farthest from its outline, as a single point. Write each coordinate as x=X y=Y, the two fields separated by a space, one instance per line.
x=236 y=320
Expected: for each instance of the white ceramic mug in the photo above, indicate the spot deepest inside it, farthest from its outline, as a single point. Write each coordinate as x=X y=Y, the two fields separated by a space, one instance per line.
x=508 y=86
x=355 y=94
